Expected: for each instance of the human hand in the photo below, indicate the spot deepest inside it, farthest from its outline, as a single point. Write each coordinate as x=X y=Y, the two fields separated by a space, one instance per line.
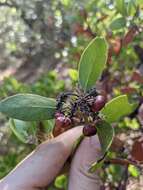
x=40 y=168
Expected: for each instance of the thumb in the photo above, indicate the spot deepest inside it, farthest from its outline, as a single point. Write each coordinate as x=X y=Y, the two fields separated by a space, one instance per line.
x=39 y=168
x=87 y=153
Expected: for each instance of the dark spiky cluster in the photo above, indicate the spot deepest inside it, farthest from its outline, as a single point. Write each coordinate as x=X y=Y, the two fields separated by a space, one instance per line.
x=78 y=108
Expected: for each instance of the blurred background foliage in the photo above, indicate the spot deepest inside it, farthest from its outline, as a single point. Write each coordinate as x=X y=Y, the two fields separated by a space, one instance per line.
x=40 y=45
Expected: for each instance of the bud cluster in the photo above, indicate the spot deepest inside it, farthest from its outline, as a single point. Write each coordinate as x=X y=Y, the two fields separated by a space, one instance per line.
x=74 y=109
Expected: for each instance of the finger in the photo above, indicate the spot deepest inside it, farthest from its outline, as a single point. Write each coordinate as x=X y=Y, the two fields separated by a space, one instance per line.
x=42 y=165
x=87 y=153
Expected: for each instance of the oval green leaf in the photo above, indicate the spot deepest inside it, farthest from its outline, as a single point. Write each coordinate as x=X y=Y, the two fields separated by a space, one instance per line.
x=117 y=108
x=118 y=23
x=25 y=131
x=92 y=62
x=28 y=107
x=106 y=134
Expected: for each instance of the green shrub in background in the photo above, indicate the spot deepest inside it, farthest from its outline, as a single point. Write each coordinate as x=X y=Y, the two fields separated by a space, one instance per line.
x=119 y=21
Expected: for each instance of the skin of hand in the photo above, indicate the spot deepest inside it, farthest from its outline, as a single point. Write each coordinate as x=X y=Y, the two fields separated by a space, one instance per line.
x=40 y=168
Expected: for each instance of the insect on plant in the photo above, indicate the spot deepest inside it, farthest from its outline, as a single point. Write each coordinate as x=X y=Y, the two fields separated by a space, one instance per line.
x=84 y=105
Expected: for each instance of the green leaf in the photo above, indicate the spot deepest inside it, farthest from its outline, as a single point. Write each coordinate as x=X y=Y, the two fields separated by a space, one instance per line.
x=118 y=23
x=61 y=182
x=65 y=2
x=131 y=123
x=25 y=131
x=133 y=171
x=92 y=62
x=117 y=108
x=106 y=134
x=28 y=107
x=132 y=7
x=73 y=74
x=49 y=125
x=96 y=166
x=121 y=7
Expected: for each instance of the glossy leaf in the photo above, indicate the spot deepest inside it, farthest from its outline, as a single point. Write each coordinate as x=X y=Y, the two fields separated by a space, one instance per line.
x=117 y=108
x=25 y=131
x=92 y=63
x=28 y=107
x=106 y=134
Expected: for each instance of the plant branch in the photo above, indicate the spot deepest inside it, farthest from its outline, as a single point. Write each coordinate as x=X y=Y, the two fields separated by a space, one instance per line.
x=120 y=161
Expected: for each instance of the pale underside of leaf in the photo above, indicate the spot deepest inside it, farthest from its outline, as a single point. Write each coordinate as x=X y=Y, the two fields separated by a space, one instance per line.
x=25 y=131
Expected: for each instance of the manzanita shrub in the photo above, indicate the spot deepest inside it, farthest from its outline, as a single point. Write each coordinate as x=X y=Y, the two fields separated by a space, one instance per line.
x=84 y=105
